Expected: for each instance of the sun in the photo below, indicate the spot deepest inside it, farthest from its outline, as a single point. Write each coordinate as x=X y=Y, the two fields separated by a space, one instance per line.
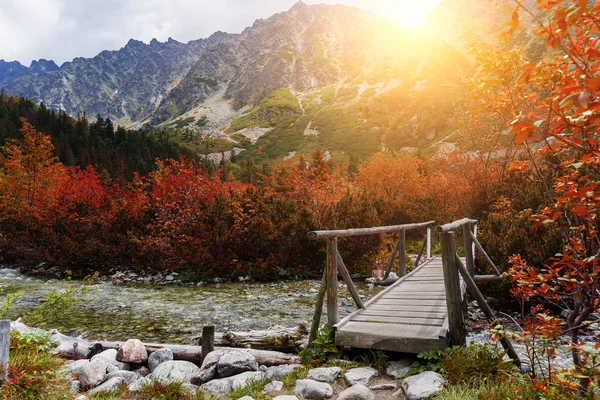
x=409 y=16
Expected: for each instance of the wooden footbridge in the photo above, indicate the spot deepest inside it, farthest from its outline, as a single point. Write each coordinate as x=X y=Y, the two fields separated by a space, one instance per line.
x=424 y=308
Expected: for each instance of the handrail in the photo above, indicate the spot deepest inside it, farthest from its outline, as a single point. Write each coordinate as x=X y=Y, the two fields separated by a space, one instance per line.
x=315 y=235
x=457 y=224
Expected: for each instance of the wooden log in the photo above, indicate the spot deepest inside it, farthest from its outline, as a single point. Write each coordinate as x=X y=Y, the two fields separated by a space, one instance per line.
x=193 y=353
x=392 y=258
x=275 y=338
x=421 y=251
x=314 y=235
x=485 y=255
x=208 y=340
x=348 y=280
x=4 y=348
x=453 y=292
x=402 y=251
x=487 y=278
x=332 y=283
x=468 y=245
x=455 y=225
x=485 y=308
x=316 y=321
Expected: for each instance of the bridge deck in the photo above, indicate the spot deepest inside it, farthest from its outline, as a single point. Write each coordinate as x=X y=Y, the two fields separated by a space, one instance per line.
x=410 y=316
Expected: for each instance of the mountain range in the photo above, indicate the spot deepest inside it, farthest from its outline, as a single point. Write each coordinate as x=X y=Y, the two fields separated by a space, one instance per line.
x=335 y=77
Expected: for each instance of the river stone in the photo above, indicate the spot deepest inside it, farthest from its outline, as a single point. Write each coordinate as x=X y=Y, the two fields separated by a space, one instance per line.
x=81 y=397
x=398 y=369
x=313 y=390
x=73 y=367
x=111 y=385
x=133 y=351
x=324 y=374
x=235 y=362
x=110 y=355
x=285 y=397
x=423 y=385
x=208 y=370
x=179 y=371
x=384 y=386
x=275 y=386
x=93 y=373
x=159 y=356
x=245 y=398
x=142 y=372
x=222 y=387
x=356 y=392
x=140 y=384
x=75 y=387
x=361 y=375
x=128 y=376
x=276 y=372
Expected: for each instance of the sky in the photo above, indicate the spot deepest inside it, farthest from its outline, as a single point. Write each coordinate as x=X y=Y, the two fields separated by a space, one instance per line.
x=64 y=29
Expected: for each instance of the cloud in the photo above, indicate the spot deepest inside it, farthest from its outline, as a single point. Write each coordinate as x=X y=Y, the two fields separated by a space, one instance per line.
x=64 y=29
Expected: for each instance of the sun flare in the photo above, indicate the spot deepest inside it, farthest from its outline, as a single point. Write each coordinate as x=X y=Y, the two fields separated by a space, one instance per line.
x=410 y=16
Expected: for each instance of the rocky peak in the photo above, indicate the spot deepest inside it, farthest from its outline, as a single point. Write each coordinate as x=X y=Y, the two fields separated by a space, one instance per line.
x=43 y=65
x=300 y=5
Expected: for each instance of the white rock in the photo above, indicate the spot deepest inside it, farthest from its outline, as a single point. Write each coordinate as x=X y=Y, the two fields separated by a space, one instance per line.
x=384 y=386
x=423 y=385
x=276 y=372
x=222 y=387
x=356 y=392
x=73 y=367
x=128 y=376
x=111 y=385
x=93 y=373
x=140 y=384
x=110 y=355
x=246 y=398
x=132 y=351
x=171 y=371
x=208 y=370
x=361 y=375
x=285 y=397
x=158 y=357
x=81 y=397
x=235 y=362
x=324 y=374
x=142 y=372
x=398 y=369
x=313 y=390
x=274 y=386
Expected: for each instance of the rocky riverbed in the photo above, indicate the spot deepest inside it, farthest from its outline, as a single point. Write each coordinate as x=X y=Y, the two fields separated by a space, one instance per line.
x=123 y=307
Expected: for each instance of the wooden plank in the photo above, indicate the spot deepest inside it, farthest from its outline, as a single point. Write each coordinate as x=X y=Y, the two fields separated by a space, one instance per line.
x=365 y=231
x=393 y=313
x=455 y=225
x=401 y=307
x=415 y=296
x=487 y=278
x=4 y=347
x=349 y=284
x=453 y=292
x=399 y=321
x=332 y=283
x=413 y=302
x=380 y=329
x=318 y=308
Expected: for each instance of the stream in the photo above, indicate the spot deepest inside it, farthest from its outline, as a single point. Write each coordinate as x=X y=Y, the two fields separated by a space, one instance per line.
x=172 y=313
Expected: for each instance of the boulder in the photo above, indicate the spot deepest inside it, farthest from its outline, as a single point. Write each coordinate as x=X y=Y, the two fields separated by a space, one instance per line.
x=128 y=376
x=324 y=374
x=208 y=370
x=384 y=386
x=159 y=356
x=356 y=392
x=93 y=373
x=132 y=351
x=313 y=390
x=73 y=367
x=236 y=362
x=285 y=397
x=222 y=387
x=275 y=386
x=110 y=355
x=112 y=368
x=171 y=371
x=142 y=371
x=140 y=384
x=423 y=385
x=81 y=397
x=398 y=369
x=275 y=373
x=246 y=398
x=111 y=385
x=361 y=375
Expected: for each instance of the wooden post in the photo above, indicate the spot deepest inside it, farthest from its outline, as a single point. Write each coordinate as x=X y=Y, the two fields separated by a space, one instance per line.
x=468 y=244
x=318 y=308
x=348 y=280
x=475 y=237
x=208 y=340
x=429 y=243
x=453 y=292
x=4 y=347
x=421 y=252
x=332 y=283
x=392 y=258
x=402 y=251
x=485 y=308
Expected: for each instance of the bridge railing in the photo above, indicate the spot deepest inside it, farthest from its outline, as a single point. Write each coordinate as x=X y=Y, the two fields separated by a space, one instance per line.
x=335 y=264
x=454 y=268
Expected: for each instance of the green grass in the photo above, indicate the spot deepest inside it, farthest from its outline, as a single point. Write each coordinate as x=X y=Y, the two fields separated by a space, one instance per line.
x=182 y=123
x=289 y=380
x=155 y=391
x=252 y=389
x=276 y=108
x=202 y=122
